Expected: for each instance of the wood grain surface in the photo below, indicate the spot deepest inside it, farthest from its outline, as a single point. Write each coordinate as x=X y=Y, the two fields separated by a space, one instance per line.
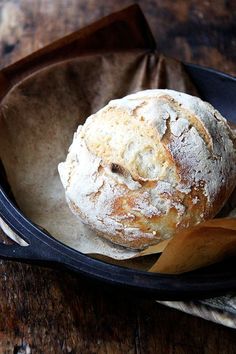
x=54 y=311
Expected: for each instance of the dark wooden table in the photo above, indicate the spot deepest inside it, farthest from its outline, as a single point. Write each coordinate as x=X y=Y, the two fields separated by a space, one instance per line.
x=53 y=311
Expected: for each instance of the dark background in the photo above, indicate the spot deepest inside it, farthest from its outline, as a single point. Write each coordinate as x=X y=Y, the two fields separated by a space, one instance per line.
x=52 y=311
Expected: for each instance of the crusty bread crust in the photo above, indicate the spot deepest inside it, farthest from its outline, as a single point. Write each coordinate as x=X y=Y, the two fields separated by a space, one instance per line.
x=148 y=164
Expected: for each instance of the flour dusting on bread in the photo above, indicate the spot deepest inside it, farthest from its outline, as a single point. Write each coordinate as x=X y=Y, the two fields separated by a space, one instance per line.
x=148 y=164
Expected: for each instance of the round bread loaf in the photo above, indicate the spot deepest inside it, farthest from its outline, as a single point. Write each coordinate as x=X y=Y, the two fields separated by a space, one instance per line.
x=149 y=164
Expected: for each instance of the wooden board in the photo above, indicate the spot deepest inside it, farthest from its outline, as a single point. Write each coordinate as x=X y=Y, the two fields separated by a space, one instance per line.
x=53 y=311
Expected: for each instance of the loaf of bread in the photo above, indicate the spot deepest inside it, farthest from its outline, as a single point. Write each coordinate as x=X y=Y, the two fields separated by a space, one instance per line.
x=149 y=164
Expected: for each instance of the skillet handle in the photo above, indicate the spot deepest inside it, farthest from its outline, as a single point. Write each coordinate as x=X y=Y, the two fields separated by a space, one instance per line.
x=32 y=250
x=20 y=249
x=16 y=252
x=38 y=245
x=36 y=251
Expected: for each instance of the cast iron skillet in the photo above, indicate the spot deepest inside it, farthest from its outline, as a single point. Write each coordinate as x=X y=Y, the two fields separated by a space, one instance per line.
x=215 y=87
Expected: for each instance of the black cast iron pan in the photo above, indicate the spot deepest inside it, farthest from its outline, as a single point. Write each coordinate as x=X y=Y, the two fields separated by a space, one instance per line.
x=220 y=90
